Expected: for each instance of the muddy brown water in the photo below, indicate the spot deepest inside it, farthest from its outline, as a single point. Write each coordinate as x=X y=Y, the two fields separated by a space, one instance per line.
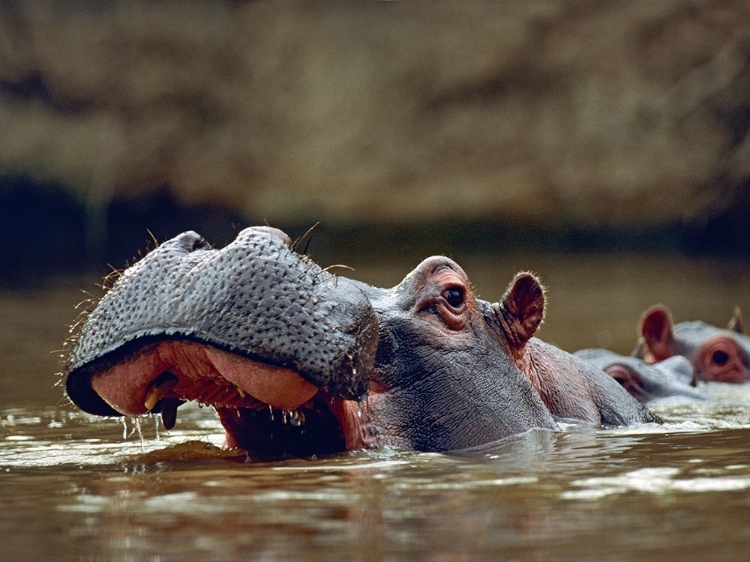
x=75 y=487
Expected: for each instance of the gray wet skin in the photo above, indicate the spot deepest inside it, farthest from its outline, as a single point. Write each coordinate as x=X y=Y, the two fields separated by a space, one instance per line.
x=433 y=368
x=672 y=377
x=256 y=297
x=454 y=371
x=444 y=386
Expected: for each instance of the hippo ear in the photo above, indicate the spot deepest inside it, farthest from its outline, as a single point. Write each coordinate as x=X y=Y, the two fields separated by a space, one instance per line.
x=735 y=324
x=656 y=330
x=521 y=310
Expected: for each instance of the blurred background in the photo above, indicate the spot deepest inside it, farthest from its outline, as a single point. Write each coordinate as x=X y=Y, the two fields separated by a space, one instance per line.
x=603 y=145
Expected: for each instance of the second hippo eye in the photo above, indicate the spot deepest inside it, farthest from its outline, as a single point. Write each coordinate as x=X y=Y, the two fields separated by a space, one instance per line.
x=454 y=296
x=720 y=358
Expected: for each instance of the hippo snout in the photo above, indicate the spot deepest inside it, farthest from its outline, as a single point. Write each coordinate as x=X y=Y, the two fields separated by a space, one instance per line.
x=250 y=327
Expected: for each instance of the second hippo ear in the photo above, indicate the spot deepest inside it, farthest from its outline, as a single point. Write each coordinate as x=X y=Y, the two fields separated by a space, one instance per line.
x=521 y=310
x=656 y=331
x=735 y=324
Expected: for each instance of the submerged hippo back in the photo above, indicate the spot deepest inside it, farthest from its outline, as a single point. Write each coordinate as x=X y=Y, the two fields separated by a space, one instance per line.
x=256 y=297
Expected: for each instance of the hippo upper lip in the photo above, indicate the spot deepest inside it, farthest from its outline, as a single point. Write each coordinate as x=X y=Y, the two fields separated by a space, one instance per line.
x=255 y=296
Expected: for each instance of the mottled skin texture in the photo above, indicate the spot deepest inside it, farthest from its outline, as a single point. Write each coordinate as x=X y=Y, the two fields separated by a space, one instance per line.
x=443 y=379
x=255 y=329
x=721 y=355
x=455 y=371
x=672 y=377
x=575 y=389
x=187 y=289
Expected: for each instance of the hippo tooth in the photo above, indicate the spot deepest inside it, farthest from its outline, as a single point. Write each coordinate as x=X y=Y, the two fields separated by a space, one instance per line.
x=159 y=387
x=153 y=397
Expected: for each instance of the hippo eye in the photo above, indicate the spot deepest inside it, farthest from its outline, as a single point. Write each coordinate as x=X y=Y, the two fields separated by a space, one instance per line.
x=454 y=296
x=720 y=358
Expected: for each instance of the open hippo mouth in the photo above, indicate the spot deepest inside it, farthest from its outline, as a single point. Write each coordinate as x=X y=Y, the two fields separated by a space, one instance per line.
x=279 y=347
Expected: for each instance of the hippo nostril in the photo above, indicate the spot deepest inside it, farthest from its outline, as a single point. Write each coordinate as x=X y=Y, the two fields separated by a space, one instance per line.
x=275 y=232
x=192 y=241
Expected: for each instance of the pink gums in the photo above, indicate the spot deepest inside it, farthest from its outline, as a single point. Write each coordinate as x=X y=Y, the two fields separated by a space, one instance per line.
x=207 y=374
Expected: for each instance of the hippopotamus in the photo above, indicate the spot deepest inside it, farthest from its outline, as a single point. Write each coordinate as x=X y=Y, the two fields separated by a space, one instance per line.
x=721 y=355
x=298 y=361
x=674 y=376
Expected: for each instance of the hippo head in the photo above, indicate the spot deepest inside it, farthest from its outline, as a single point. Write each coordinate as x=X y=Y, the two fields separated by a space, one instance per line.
x=446 y=374
x=298 y=361
x=281 y=348
x=717 y=354
x=674 y=376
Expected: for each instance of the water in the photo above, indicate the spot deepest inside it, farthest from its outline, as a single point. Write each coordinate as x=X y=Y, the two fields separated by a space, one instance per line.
x=74 y=489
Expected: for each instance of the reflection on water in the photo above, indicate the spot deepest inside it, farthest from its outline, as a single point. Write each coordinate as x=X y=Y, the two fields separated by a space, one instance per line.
x=74 y=489
x=640 y=492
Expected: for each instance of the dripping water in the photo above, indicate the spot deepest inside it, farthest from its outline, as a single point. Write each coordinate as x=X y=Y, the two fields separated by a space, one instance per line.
x=157 y=422
x=296 y=418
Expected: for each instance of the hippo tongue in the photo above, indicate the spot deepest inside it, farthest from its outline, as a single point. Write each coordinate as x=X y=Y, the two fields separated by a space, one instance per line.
x=185 y=370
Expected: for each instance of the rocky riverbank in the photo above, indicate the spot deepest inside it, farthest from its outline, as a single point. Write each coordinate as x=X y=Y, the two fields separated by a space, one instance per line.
x=557 y=117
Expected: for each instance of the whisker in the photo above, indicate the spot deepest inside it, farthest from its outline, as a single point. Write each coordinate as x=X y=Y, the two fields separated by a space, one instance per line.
x=151 y=234
x=339 y=265
x=305 y=235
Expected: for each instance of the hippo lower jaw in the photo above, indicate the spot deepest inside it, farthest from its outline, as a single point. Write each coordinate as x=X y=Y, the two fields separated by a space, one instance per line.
x=322 y=425
x=263 y=407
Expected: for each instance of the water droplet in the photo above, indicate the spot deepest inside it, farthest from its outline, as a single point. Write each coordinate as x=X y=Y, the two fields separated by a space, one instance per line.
x=296 y=418
x=156 y=424
x=137 y=425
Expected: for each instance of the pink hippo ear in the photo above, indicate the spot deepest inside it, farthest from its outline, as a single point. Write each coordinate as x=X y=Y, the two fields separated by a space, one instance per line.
x=656 y=330
x=736 y=324
x=521 y=310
